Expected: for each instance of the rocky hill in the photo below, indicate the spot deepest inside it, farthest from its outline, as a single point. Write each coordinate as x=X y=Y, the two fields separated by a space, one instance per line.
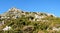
x=18 y=21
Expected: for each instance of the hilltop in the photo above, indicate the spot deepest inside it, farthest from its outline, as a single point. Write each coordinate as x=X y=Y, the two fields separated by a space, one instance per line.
x=19 y=21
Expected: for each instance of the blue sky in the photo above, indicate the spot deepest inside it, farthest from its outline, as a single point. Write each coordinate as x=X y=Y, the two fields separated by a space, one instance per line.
x=48 y=6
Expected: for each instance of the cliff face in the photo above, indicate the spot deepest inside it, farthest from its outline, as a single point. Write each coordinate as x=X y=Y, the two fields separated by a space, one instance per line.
x=28 y=22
